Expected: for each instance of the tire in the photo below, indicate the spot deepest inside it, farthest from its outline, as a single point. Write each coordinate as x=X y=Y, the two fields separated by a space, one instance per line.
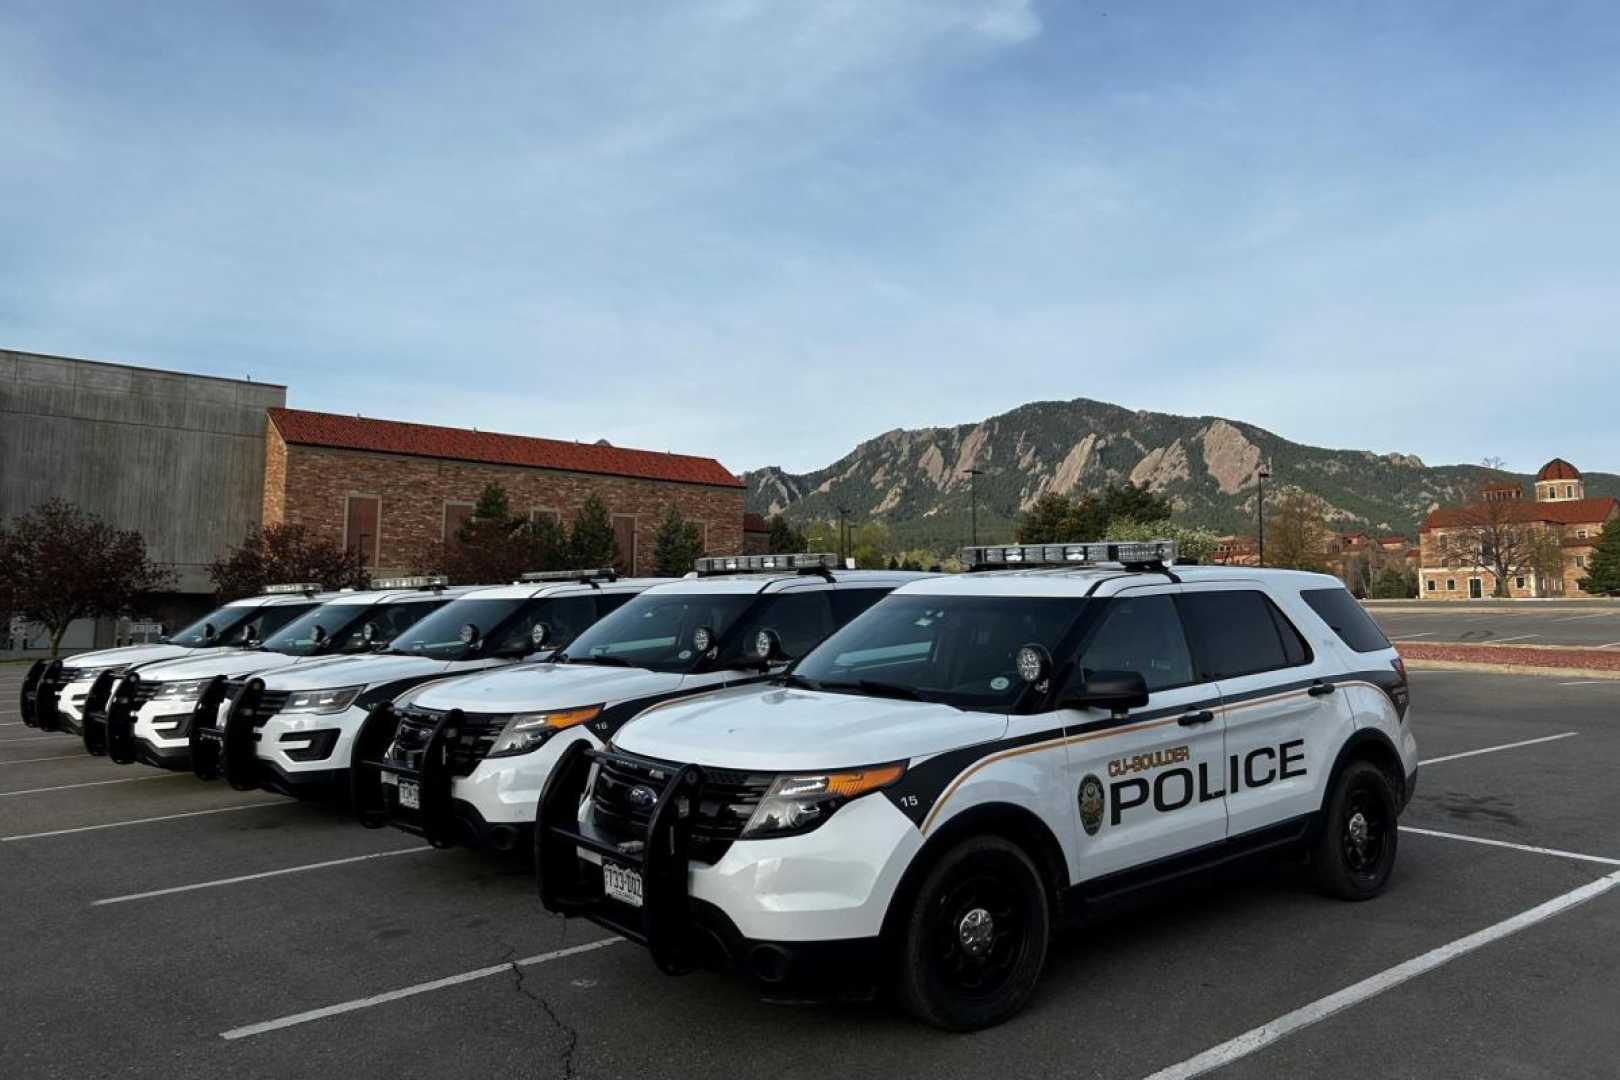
x=964 y=976
x=1355 y=852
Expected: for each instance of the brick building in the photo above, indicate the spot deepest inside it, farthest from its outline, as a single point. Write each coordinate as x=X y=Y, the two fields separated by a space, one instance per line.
x=387 y=489
x=1559 y=509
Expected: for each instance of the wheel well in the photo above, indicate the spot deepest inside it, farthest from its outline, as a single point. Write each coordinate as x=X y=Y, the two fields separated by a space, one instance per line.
x=1372 y=746
x=1012 y=823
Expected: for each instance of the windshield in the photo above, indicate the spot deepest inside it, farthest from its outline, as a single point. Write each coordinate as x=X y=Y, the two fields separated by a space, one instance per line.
x=239 y=625
x=338 y=628
x=439 y=635
x=959 y=650
x=654 y=631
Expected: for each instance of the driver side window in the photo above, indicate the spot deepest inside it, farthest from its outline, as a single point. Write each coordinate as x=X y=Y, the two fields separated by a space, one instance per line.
x=801 y=619
x=1142 y=634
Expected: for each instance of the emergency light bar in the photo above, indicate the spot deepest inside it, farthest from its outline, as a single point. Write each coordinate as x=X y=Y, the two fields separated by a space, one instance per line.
x=434 y=581
x=766 y=564
x=1130 y=553
x=293 y=587
x=600 y=573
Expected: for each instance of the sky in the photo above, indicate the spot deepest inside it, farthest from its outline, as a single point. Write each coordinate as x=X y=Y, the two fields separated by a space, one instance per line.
x=767 y=231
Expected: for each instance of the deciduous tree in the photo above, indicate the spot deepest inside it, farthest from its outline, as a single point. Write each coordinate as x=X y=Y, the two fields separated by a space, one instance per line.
x=1296 y=534
x=278 y=554
x=58 y=564
x=784 y=538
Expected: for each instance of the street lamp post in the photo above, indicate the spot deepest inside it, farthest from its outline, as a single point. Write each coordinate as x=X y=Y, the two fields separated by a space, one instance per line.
x=1260 y=514
x=973 y=501
x=843 y=526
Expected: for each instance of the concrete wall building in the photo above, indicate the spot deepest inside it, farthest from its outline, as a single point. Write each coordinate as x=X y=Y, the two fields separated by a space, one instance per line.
x=179 y=458
x=390 y=490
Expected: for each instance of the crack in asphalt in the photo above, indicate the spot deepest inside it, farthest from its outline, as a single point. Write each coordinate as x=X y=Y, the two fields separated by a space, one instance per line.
x=521 y=985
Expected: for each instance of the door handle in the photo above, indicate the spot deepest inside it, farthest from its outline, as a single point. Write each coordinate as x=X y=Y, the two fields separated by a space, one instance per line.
x=1192 y=719
x=1320 y=689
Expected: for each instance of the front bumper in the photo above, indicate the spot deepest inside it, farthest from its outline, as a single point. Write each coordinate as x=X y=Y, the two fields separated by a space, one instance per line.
x=800 y=916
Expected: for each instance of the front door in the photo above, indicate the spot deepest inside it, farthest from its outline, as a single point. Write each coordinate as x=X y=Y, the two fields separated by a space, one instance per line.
x=1147 y=784
x=1475 y=589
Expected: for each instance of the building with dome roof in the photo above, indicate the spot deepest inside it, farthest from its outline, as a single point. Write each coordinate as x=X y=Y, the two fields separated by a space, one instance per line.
x=1451 y=539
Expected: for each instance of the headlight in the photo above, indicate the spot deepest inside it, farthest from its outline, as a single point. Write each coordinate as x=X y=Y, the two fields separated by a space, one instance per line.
x=181 y=691
x=798 y=803
x=70 y=674
x=322 y=701
x=526 y=731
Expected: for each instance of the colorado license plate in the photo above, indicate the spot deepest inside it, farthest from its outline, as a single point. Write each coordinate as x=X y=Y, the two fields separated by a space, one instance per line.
x=621 y=884
x=410 y=795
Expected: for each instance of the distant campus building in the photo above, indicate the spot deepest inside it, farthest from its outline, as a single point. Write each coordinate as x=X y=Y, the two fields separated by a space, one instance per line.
x=1560 y=508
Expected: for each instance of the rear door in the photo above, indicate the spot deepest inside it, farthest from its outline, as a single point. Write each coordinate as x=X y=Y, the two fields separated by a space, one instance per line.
x=1282 y=715
x=1147 y=783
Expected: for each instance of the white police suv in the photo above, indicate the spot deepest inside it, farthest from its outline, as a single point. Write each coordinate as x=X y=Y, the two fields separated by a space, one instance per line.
x=464 y=761
x=292 y=730
x=981 y=758
x=145 y=714
x=54 y=692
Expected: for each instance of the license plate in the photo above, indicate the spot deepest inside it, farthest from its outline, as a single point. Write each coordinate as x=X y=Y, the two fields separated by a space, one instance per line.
x=621 y=884
x=410 y=795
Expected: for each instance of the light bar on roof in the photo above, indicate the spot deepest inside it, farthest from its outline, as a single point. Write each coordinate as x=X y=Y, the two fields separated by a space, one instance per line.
x=426 y=581
x=597 y=574
x=293 y=587
x=1121 y=552
x=766 y=564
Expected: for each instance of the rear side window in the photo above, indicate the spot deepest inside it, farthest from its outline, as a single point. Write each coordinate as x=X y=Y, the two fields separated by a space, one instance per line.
x=1347 y=618
x=1239 y=632
x=848 y=603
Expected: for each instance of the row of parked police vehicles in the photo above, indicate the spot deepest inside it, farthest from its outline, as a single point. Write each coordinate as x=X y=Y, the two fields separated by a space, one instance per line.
x=833 y=782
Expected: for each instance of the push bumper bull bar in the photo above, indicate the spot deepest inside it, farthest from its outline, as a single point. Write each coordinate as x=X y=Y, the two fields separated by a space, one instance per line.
x=565 y=854
x=375 y=805
x=207 y=742
x=40 y=682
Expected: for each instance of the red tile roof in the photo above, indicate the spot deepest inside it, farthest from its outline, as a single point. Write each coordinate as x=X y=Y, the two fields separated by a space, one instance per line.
x=459 y=444
x=1563 y=512
x=1558 y=469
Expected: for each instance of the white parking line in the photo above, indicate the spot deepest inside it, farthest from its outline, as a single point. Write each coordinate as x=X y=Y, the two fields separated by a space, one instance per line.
x=410 y=991
x=145 y=820
x=94 y=783
x=1259 y=1038
x=1502 y=640
x=1494 y=749
x=1586 y=682
x=1594 y=615
x=36 y=738
x=31 y=760
x=257 y=877
x=1528 y=848
x=1409 y=637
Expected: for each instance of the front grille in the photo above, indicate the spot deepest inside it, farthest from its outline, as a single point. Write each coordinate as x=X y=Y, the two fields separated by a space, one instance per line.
x=621 y=807
x=476 y=736
x=270 y=702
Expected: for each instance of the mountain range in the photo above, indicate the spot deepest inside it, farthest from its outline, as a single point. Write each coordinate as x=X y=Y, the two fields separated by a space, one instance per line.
x=919 y=481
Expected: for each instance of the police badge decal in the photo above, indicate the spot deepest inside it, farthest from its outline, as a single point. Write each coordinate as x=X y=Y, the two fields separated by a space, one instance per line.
x=1091 y=805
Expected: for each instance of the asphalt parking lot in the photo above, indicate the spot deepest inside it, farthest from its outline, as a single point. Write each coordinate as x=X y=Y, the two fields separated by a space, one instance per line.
x=1591 y=624
x=152 y=928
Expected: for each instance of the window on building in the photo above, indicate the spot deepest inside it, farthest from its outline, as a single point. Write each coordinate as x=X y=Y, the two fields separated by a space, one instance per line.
x=1451 y=584
x=361 y=525
x=456 y=514
x=703 y=530
x=543 y=513
x=1581 y=533
x=1580 y=561
x=1569 y=491
x=1430 y=584
x=624 y=532
x=1519 y=582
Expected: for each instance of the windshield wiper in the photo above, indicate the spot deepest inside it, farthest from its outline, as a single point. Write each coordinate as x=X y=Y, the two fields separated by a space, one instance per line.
x=877 y=689
x=788 y=678
x=606 y=661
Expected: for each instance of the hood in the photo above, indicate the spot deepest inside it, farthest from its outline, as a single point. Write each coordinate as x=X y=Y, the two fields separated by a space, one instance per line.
x=227 y=662
x=533 y=687
x=129 y=654
x=772 y=729
x=364 y=670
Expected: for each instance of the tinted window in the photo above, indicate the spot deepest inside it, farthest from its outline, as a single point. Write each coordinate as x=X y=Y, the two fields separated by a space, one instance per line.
x=848 y=603
x=1142 y=634
x=240 y=625
x=1347 y=618
x=340 y=627
x=565 y=617
x=1233 y=633
x=439 y=635
x=957 y=649
x=800 y=618
x=654 y=630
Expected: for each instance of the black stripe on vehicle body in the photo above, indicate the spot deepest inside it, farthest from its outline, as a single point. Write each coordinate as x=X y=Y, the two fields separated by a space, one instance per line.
x=615 y=716
x=388 y=691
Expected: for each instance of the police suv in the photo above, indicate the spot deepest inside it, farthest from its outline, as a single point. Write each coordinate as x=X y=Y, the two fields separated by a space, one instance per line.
x=54 y=692
x=292 y=730
x=145 y=714
x=978 y=759
x=464 y=761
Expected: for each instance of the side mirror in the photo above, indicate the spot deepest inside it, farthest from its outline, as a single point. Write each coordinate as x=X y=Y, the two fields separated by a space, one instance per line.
x=767 y=646
x=1116 y=691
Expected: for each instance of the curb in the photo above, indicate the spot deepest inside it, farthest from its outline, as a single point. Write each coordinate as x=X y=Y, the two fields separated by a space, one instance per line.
x=1512 y=669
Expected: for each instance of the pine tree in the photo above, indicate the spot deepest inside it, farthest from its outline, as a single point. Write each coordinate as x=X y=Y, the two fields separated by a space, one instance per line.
x=1603 y=565
x=676 y=545
x=591 y=542
x=784 y=538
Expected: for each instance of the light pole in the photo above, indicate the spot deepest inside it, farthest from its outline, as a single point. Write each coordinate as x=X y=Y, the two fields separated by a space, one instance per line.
x=1260 y=514
x=973 y=501
x=843 y=515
